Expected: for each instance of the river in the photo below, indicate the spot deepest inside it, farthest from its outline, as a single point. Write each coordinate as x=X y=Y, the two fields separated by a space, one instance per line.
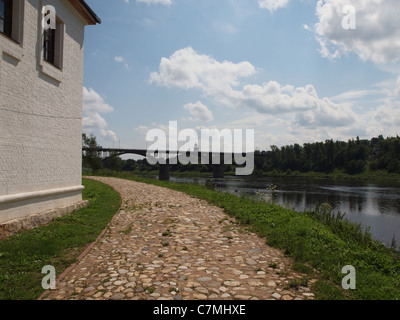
x=372 y=204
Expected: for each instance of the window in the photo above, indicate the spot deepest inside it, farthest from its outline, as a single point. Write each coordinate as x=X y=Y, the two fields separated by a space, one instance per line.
x=11 y=19
x=49 y=45
x=6 y=17
x=53 y=44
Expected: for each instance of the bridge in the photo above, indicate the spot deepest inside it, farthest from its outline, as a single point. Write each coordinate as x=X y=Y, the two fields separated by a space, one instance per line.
x=215 y=158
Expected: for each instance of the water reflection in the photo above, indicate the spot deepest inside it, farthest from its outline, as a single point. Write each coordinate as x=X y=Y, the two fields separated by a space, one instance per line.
x=371 y=204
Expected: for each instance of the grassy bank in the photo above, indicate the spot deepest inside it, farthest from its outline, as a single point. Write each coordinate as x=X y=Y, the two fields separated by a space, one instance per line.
x=155 y=172
x=23 y=256
x=337 y=174
x=319 y=239
x=367 y=175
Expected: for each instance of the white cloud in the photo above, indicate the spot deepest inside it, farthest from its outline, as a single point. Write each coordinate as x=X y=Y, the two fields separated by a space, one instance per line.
x=123 y=61
x=220 y=81
x=383 y=119
x=303 y=102
x=377 y=34
x=397 y=90
x=273 y=98
x=354 y=95
x=189 y=70
x=225 y=28
x=272 y=5
x=150 y=2
x=146 y=22
x=93 y=102
x=387 y=116
x=93 y=106
x=199 y=111
x=326 y=114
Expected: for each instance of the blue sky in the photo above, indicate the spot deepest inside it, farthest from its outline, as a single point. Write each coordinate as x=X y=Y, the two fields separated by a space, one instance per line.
x=285 y=68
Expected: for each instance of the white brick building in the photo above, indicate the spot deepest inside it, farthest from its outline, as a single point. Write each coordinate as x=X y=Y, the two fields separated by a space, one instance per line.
x=41 y=82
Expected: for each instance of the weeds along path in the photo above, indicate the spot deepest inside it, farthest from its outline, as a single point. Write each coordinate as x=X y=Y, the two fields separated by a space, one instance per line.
x=167 y=245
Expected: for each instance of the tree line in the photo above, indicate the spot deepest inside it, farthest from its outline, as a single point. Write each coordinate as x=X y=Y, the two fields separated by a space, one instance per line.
x=353 y=156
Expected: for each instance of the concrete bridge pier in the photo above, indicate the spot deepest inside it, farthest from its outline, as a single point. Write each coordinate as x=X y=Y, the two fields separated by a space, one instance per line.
x=218 y=171
x=164 y=172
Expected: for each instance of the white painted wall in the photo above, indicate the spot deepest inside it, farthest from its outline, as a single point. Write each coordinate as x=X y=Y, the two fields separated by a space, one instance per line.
x=40 y=116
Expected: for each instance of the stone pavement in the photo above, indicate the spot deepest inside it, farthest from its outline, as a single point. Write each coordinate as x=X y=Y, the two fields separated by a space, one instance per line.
x=166 y=245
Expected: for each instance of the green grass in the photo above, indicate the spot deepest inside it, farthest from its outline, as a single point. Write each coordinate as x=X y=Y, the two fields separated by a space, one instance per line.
x=23 y=256
x=317 y=239
x=338 y=174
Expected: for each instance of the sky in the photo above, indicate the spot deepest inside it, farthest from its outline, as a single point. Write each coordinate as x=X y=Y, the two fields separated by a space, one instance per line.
x=294 y=71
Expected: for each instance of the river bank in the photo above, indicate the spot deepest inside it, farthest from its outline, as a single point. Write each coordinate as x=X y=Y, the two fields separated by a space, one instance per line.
x=167 y=245
x=367 y=175
x=377 y=175
x=316 y=239
x=371 y=203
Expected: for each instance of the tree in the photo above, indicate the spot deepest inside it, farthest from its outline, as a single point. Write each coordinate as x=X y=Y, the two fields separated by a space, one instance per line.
x=113 y=162
x=393 y=166
x=90 y=156
x=128 y=165
x=355 y=166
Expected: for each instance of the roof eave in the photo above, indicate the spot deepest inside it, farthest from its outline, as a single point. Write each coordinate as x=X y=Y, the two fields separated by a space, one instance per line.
x=86 y=12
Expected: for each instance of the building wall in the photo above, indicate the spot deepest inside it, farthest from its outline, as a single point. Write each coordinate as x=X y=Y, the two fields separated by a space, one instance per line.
x=40 y=116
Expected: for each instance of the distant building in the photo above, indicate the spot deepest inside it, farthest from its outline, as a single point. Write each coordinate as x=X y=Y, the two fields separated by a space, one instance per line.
x=41 y=89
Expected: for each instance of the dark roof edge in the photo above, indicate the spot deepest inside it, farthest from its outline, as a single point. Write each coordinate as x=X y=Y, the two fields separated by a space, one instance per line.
x=86 y=11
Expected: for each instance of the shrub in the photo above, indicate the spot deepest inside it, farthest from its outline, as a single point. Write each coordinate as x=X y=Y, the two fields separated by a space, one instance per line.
x=355 y=167
x=393 y=166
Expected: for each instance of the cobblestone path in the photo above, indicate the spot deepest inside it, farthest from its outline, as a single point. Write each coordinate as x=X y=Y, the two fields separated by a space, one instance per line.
x=166 y=245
